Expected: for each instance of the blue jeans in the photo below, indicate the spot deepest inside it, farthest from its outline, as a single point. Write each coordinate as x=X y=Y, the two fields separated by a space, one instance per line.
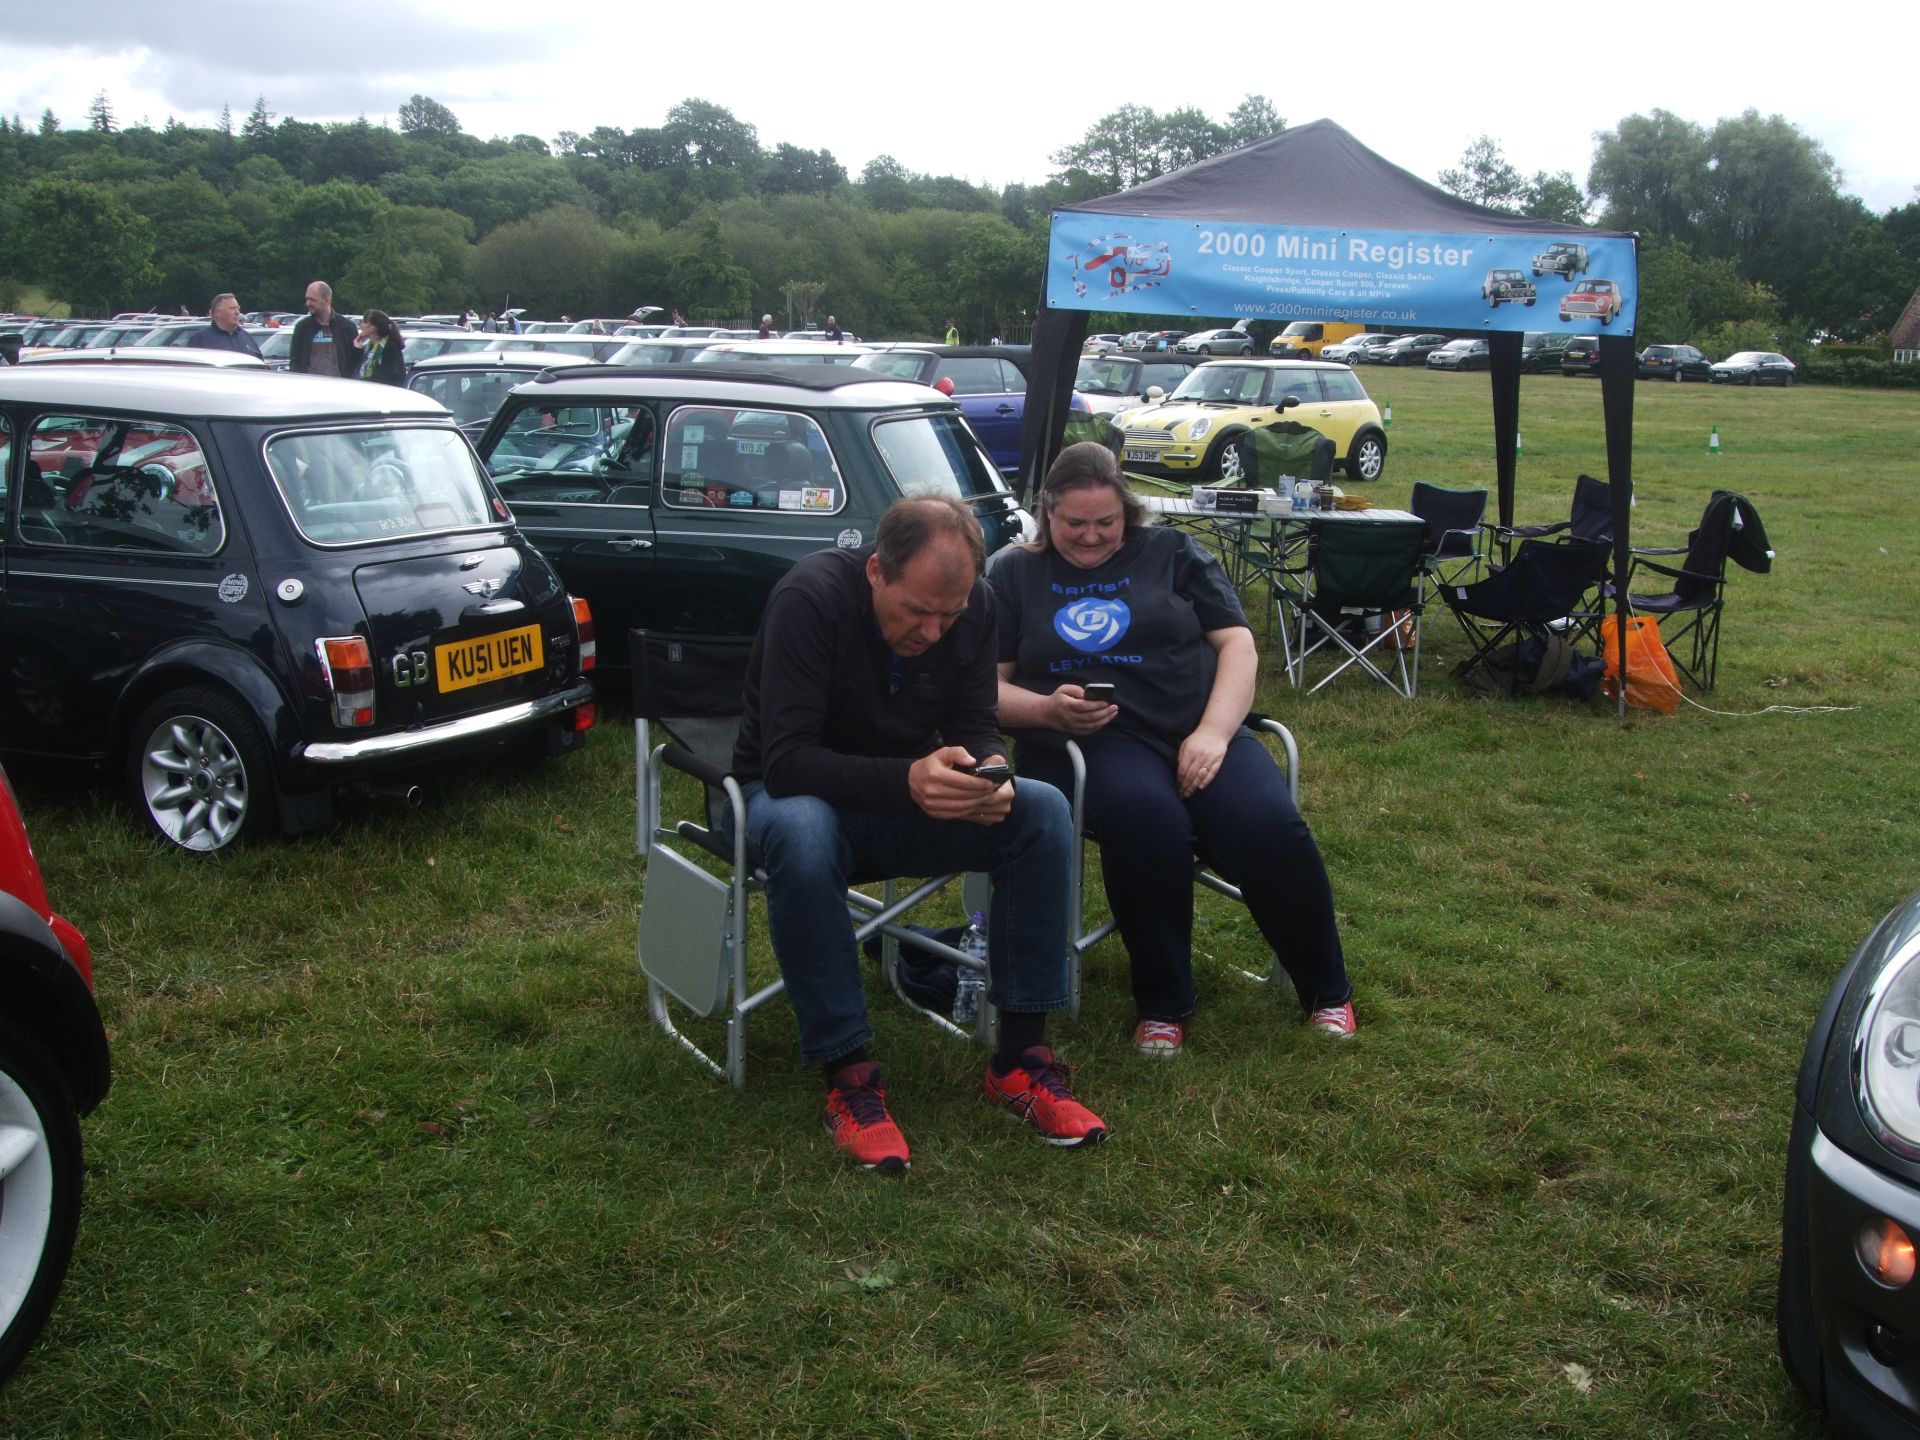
x=813 y=852
x=1246 y=826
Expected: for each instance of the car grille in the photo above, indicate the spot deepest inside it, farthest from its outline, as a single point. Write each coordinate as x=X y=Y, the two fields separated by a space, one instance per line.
x=1148 y=439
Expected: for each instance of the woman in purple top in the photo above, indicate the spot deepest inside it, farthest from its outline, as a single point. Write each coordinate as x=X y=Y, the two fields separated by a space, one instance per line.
x=1172 y=771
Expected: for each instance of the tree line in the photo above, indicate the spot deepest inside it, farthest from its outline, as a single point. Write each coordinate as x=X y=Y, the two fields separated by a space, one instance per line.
x=1745 y=230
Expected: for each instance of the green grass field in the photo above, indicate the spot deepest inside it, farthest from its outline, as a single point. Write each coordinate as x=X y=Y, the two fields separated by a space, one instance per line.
x=393 y=1150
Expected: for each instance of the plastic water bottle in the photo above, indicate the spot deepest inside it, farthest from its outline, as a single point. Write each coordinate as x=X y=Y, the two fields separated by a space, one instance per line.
x=972 y=983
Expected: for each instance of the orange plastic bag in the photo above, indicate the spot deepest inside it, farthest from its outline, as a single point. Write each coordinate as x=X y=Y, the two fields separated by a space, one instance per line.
x=1652 y=682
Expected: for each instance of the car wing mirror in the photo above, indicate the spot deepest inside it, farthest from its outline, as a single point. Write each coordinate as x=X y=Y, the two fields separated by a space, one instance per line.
x=1155 y=394
x=1288 y=403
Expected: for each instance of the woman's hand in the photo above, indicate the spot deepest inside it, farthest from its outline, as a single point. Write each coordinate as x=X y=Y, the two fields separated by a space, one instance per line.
x=1069 y=710
x=1201 y=755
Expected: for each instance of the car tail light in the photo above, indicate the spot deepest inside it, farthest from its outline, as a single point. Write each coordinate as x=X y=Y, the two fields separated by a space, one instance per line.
x=583 y=718
x=583 y=621
x=1886 y=1252
x=348 y=663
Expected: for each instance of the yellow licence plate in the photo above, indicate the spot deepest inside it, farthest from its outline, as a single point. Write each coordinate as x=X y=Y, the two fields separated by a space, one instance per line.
x=493 y=657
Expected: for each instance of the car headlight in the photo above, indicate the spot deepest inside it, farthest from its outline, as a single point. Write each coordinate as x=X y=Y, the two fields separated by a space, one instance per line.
x=1886 y=1053
x=1199 y=428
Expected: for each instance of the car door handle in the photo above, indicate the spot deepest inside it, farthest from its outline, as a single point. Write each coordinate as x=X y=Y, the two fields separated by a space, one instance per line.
x=624 y=543
x=1006 y=410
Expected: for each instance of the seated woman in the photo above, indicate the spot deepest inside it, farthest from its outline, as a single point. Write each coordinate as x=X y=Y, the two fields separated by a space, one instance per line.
x=1171 y=769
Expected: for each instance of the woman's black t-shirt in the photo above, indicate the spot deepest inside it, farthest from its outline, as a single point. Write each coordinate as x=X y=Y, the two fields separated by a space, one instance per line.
x=1139 y=622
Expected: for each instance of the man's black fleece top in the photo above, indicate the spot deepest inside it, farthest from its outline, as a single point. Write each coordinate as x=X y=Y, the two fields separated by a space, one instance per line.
x=831 y=711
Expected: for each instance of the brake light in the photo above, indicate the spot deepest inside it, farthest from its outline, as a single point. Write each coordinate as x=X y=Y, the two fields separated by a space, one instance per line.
x=583 y=718
x=583 y=622
x=348 y=663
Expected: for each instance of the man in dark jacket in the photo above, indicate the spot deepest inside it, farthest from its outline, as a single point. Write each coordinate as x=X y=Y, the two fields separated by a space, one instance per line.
x=322 y=340
x=223 y=330
x=869 y=703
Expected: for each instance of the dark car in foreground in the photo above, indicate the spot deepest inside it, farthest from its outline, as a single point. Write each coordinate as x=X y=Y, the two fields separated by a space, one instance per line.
x=54 y=1068
x=1848 y=1305
x=1754 y=367
x=1673 y=362
x=673 y=497
x=241 y=591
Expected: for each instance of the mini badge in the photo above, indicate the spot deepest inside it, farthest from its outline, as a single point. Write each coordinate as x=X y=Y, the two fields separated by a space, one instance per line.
x=848 y=540
x=233 y=589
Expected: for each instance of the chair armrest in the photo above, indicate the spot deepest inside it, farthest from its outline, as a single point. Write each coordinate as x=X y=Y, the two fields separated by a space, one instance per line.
x=1658 y=550
x=1531 y=532
x=689 y=763
x=1672 y=572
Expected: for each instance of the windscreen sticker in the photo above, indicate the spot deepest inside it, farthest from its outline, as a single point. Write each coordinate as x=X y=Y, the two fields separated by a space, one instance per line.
x=816 y=497
x=694 y=434
x=689 y=457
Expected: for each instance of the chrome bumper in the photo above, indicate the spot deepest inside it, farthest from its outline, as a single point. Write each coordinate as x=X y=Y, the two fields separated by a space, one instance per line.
x=467 y=727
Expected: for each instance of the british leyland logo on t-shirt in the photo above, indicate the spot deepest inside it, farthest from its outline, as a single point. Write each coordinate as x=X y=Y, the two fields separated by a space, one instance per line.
x=1092 y=624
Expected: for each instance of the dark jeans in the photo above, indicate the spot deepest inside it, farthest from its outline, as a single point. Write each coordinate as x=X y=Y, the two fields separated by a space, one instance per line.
x=1246 y=826
x=812 y=852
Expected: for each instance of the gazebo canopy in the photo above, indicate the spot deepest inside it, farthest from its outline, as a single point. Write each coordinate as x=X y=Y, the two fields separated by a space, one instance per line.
x=1312 y=225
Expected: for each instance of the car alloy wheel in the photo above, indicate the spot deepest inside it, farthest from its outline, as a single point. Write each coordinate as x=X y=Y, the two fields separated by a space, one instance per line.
x=39 y=1189
x=200 y=772
x=1368 y=459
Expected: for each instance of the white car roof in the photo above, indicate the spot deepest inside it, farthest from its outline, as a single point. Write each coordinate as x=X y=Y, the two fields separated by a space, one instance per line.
x=726 y=385
x=251 y=392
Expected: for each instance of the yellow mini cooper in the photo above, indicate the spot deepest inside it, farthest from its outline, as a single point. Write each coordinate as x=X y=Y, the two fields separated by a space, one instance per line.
x=1203 y=431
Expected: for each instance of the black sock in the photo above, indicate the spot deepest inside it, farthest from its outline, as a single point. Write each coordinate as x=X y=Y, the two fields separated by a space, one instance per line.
x=834 y=1067
x=1019 y=1033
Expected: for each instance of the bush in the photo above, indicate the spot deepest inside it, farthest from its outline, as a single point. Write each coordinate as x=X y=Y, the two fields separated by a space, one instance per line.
x=1869 y=371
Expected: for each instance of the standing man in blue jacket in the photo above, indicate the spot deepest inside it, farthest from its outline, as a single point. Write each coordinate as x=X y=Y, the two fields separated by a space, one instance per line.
x=223 y=330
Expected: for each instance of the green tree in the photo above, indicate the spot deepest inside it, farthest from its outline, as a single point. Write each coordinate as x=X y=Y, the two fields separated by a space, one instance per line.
x=1556 y=197
x=49 y=122
x=80 y=242
x=557 y=262
x=1650 y=175
x=1860 y=288
x=1773 y=205
x=885 y=185
x=425 y=118
x=317 y=231
x=1187 y=135
x=1120 y=149
x=1485 y=176
x=199 y=248
x=706 y=281
x=1684 y=297
x=415 y=259
x=258 y=129
x=710 y=137
x=100 y=115
x=1254 y=118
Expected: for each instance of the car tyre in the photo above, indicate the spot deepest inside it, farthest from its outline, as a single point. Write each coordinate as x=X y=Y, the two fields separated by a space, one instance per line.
x=40 y=1180
x=1793 y=1297
x=1231 y=460
x=199 y=771
x=1367 y=460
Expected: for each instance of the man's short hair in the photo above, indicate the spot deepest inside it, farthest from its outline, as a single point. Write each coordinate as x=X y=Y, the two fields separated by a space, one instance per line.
x=326 y=290
x=911 y=524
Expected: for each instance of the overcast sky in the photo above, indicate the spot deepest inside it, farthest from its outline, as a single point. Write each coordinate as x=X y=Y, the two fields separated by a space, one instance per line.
x=945 y=88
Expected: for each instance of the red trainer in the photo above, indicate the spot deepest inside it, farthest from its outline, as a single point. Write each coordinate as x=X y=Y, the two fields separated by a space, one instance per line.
x=1035 y=1092
x=1335 y=1020
x=1159 y=1039
x=856 y=1117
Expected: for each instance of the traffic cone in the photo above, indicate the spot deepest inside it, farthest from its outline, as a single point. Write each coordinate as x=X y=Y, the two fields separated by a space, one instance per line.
x=1713 y=441
x=1386 y=414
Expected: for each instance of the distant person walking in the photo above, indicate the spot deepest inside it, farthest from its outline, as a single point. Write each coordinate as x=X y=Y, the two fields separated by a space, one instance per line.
x=322 y=340
x=223 y=330
x=382 y=352
x=953 y=333
x=766 y=328
x=834 y=332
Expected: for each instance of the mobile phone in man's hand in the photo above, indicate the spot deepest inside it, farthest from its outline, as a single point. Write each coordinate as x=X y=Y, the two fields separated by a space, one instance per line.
x=994 y=770
x=1102 y=691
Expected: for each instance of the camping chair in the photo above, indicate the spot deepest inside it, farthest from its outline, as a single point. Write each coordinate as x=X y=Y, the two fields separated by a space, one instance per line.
x=693 y=923
x=1287 y=451
x=1589 y=517
x=1453 y=533
x=1729 y=528
x=1541 y=590
x=1355 y=572
x=1086 y=936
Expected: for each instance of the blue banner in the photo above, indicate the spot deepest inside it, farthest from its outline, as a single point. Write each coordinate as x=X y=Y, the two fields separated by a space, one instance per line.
x=1140 y=266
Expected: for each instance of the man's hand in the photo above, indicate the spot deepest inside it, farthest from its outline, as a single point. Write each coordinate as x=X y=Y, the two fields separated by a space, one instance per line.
x=947 y=792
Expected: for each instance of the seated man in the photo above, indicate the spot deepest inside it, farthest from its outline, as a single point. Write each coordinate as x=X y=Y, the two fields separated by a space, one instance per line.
x=870 y=687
